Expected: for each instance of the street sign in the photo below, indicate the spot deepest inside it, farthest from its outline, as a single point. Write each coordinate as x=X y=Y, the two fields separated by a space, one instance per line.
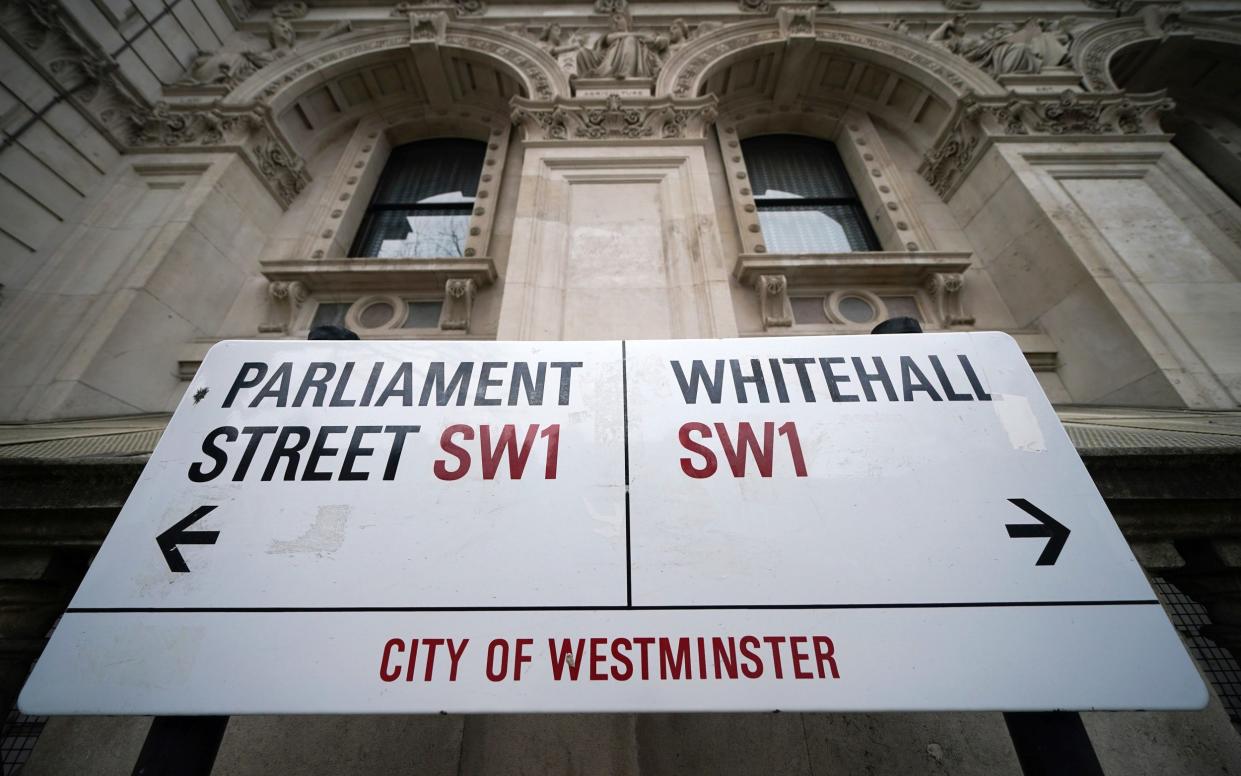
x=802 y=523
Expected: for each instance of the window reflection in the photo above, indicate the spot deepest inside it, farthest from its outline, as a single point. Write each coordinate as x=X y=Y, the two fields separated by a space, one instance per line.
x=807 y=203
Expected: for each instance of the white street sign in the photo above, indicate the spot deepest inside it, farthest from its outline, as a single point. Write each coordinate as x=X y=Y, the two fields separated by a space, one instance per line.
x=802 y=523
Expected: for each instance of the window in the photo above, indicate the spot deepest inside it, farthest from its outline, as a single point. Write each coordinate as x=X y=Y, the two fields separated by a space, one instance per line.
x=422 y=205
x=805 y=201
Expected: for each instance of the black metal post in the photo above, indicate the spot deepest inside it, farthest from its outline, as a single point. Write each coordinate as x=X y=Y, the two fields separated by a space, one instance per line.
x=1052 y=743
x=181 y=746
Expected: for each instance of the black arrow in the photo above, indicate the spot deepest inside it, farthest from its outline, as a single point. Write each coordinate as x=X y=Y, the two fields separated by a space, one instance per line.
x=1052 y=530
x=169 y=539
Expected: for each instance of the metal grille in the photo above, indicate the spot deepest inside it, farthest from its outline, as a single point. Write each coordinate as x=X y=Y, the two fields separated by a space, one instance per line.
x=18 y=739
x=1221 y=669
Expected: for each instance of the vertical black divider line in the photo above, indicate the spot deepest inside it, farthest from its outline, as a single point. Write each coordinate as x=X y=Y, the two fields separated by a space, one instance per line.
x=625 y=416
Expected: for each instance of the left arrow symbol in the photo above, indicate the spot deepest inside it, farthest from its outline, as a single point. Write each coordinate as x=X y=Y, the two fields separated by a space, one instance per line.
x=169 y=539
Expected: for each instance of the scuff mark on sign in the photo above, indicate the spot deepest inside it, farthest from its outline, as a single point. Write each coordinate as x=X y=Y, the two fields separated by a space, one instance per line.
x=326 y=534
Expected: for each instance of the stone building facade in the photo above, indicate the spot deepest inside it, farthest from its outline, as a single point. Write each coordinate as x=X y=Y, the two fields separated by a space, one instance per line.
x=178 y=172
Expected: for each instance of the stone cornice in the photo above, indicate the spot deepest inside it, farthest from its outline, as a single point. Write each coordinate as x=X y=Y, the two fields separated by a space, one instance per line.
x=247 y=130
x=980 y=119
x=614 y=118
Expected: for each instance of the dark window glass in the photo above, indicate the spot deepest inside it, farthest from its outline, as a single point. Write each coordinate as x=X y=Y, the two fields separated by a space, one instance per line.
x=330 y=314
x=423 y=315
x=423 y=202
x=805 y=201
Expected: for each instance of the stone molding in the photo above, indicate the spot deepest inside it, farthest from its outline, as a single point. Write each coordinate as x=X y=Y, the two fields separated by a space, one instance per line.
x=287 y=296
x=890 y=268
x=247 y=130
x=370 y=275
x=454 y=7
x=773 y=300
x=52 y=42
x=282 y=82
x=614 y=118
x=1095 y=47
x=685 y=71
x=979 y=119
x=458 y=304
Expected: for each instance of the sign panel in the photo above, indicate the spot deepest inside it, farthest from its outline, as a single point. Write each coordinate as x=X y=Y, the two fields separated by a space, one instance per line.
x=803 y=523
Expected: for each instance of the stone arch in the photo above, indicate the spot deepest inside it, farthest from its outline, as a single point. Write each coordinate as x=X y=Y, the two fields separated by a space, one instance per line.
x=1095 y=49
x=283 y=81
x=687 y=70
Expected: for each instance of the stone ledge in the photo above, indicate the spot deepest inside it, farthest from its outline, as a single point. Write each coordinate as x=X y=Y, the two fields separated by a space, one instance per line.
x=888 y=267
x=381 y=275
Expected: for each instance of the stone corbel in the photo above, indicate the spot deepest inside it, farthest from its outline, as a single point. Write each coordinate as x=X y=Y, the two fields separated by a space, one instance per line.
x=427 y=28
x=944 y=289
x=796 y=21
x=287 y=297
x=773 y=300
x=458 y=304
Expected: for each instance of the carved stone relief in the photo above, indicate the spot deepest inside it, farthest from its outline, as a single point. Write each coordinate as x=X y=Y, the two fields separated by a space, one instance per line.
x=458 y=304
x=614 y=118
x=1069 y=113
x=773 y=300
x=454 y=7
x=287 y=297
x=622 y=52
x=944 y=289
x=1007 y=48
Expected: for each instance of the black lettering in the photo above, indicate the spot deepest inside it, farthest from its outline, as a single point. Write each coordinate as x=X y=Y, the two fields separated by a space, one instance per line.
x=371 y=382
x=485 y=382
x=946 y=384
x=398 y=444
x=243 y=381
x=355 y=451
x=698 y=374
x=782 y=391
x=739 y=380
x=832 y=379
x=256 y=435
x=521 y=379
x=803 y=376
x=914 y=380
x=405 y=376
x=285 y=450
x=212 y=451
x=337 y=399
x=319 y=450
x=309 y=380
x=880 y=375
x=566 y=374
x=277 y=387
x=973 y=378
x=460 y=383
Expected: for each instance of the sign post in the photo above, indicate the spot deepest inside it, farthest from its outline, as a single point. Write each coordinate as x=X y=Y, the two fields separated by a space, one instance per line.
x=803 y=523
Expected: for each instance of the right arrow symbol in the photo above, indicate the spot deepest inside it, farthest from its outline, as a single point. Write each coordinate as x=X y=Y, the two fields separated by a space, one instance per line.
x=1050 y=529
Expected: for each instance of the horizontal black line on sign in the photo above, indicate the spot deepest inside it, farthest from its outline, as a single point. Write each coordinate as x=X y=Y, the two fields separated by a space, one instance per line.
x=709 y=607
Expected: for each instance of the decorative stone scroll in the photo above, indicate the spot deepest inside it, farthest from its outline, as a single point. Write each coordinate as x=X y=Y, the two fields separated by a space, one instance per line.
x=773 y=300
x=287 y=297
x=979 y=118
x=614 y=118
x=944 y=288
x=458 y=304
x=249 y=130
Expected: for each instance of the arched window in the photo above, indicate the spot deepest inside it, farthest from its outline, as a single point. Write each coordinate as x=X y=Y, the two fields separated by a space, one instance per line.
x=805 y=201
x=423 y=202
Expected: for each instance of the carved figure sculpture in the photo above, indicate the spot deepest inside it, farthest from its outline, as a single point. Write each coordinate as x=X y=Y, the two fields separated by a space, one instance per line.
x=622 y=53
x=679 y=33
x=221 y=68
x=950 y=34
x=1036 y=44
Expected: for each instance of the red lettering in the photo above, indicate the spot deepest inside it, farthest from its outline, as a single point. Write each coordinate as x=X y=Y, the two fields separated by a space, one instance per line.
x=500 y=646
x=726 y=659
x=413 y=660
x=748 y=644
x=431 y=644
x=453 y=657
x=552 y=435
x=676 y=667
x=747 y=442
x=644 y=642
x=455 y=450
x=506 y=445
x=383 y=664
x=623 y=659
x=775 y=642
x=574 y=660
x=597 y=658
x=823 y=651
x=799 y=656
x=522 y=657
x=799 y=461
x=710 y=464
